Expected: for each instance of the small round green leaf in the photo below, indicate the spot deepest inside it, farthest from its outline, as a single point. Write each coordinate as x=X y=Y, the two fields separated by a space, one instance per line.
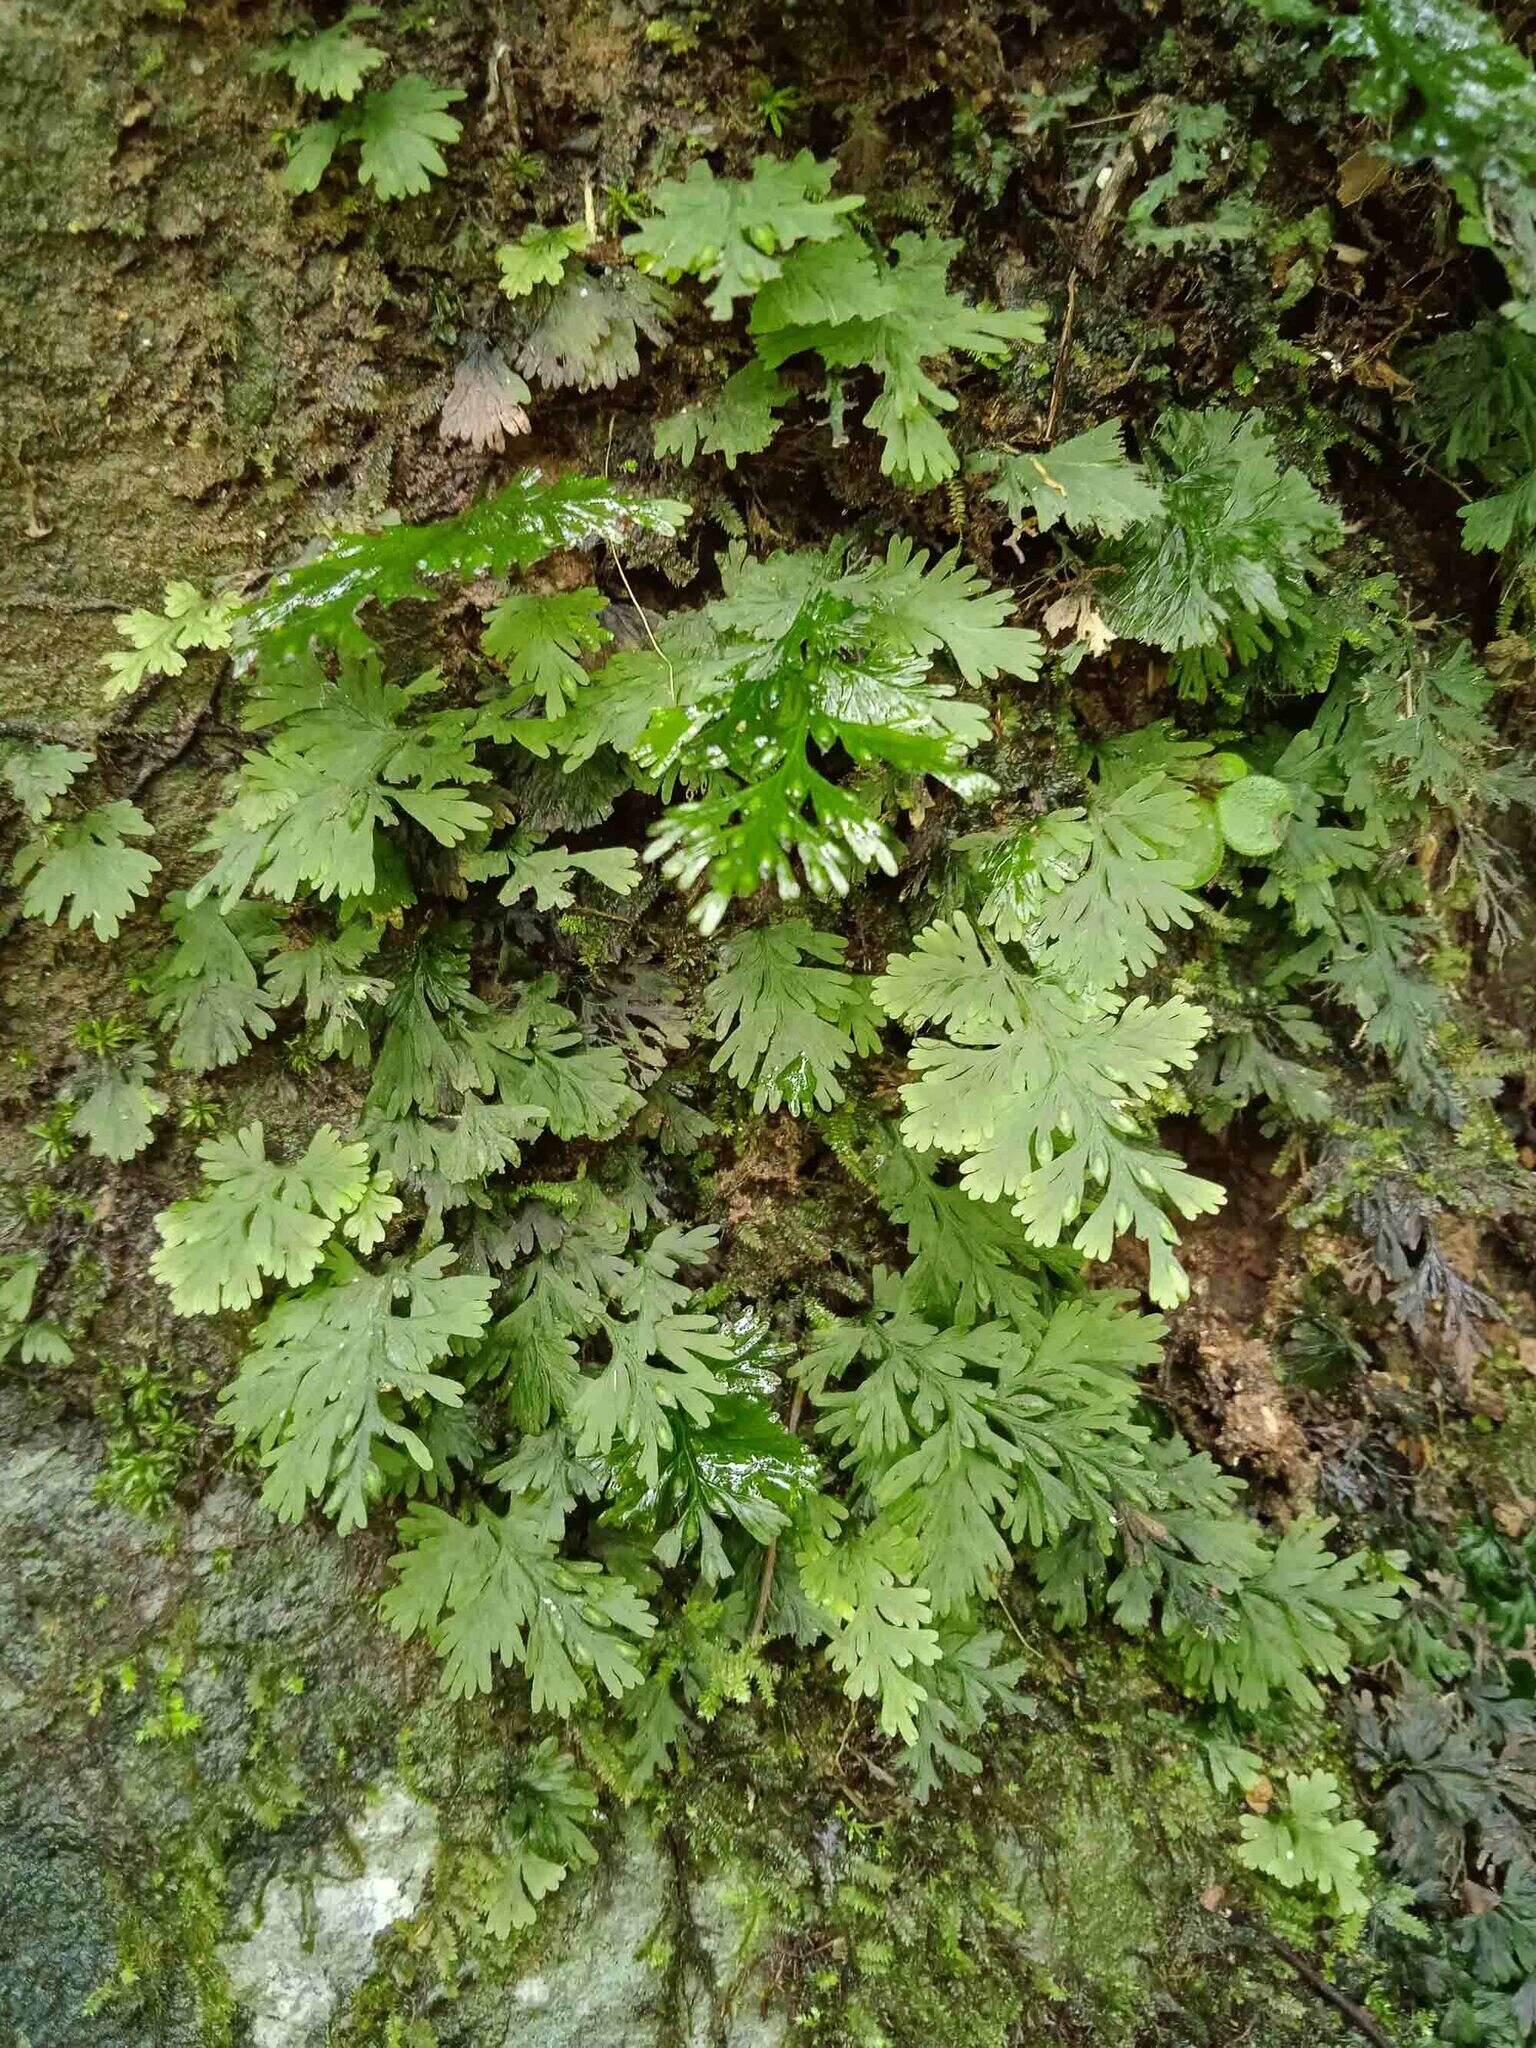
x=1254 y=813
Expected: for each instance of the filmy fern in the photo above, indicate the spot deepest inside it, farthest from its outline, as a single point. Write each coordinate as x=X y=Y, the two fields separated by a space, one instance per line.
x=342 y=1368
x=115 y=1105
x=1228 y=561
x=802 y=655
x=1036 y=1089
x=397 y=129
x=788 y=1027
x=558 y=1352
x=256 y=1218
x=495 y=1589
x=1308 y=1844
x=780 y=239
x=731 y=232
x=90 y=863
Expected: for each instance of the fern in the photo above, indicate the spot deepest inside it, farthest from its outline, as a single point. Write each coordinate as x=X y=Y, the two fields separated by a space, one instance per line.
x=805 y=653
x=966 y=1685
x=347 y=760
x=459 y=1085
x=659 y=1363
x=1247 y=1621
x=539 y=640
x=486 y=402
x=256 y=1219
x=205 y=989
x=740 y=1468
x=1426 y=731
x=115 y=1107
x=878 y=1623
x=531 y=518
x=553 y=1350
x=496 y=1588
x=36 y=775
x=741 y=419
x=967 y=1256
x=585 y=331
x=1087 y=483
x=397 y=131
x=662 y=1358
x=331 y=63
x=338 y=1370
x=788 y=1028
x=1194 y=132
x=34 y=1339
x=1230 y=558
x=854 y=310
x=731 y=232
x=539 y=1835
x=1091 y=891
x=780 y=239
x=1036 y=1089
x=965 y=1436
x=539 y=256
x=1450 y=89
x=1308 y=1845
x=548 y=872
x=159 y=643
x=330 y=977
x=89 y=863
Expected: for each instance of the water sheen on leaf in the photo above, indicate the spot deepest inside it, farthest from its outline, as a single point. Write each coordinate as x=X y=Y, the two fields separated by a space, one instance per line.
x=532 y=517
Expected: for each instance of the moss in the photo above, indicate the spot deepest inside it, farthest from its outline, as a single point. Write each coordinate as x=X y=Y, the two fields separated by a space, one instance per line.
x=1054 y=1899
x=198 y=1699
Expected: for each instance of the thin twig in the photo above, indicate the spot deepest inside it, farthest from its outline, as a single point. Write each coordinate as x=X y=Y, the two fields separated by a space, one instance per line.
x=771 y=1554
x=848 y=1726
x=1008 y=1615
x=1365 y=2024
x=656 y=647
x=1063 y=351
x=1147 y=129
x=42 y=735
x=628 y=592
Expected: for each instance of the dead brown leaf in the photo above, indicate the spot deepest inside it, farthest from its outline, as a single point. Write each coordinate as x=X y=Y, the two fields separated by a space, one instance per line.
x=1075 y=614
x=1360 y=175
x=486 y=402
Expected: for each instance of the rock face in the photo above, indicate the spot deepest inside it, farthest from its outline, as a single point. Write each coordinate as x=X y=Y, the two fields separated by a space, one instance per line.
x=68 y=1567
x=182 y=1861
x=593 y=1988
x=309 y=1941
x=174 y=1695
x=214 y=1834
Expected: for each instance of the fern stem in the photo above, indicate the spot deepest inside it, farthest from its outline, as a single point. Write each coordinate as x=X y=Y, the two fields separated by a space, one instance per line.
x=771 y=1554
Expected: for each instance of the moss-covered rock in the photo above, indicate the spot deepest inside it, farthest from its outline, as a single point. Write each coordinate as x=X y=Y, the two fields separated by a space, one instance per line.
x=308 y=1938
x=207 y=1837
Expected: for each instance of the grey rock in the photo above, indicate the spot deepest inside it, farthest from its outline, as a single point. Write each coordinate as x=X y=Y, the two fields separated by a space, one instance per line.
x=594 y=1989
x=309 y=1939
x=600 y=1980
